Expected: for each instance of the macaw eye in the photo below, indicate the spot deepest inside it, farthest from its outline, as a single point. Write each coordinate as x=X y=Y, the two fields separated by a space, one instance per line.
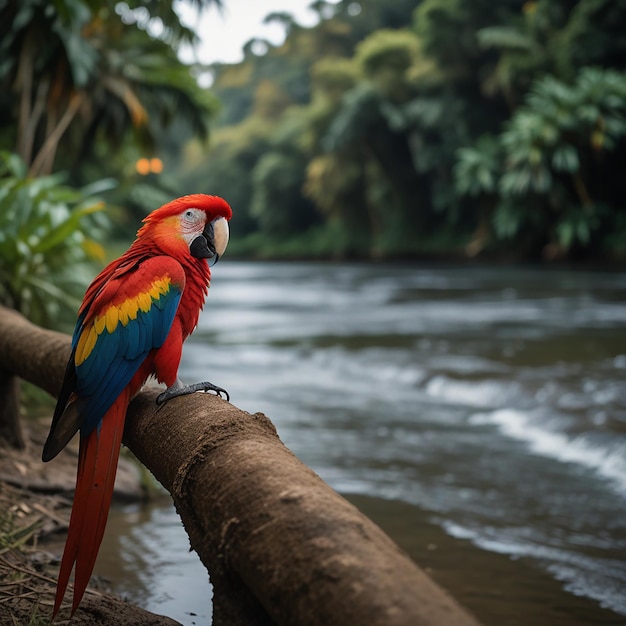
x=192 y=217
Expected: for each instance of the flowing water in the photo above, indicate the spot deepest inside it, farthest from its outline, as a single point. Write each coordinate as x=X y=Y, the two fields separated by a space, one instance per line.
x=477 y=414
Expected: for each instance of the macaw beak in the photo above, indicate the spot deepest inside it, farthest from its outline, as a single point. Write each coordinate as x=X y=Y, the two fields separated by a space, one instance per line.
x=212 y=243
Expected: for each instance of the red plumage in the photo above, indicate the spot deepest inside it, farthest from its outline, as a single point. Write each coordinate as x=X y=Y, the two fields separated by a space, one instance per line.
x=132 y=323
x=95 y=479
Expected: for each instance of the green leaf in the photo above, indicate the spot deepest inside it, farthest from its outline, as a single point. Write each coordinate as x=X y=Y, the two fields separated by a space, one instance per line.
x=565 y=233
x=42 y=226
x=505 y=38
x=565 y=159
x=507 y=220
x=516 y=182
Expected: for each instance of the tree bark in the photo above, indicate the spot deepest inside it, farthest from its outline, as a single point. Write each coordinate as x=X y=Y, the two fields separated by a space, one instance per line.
x=281 y=547
x=10 y=425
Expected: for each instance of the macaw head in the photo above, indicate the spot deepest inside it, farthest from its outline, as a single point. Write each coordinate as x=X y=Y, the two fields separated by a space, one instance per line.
x=195 y=225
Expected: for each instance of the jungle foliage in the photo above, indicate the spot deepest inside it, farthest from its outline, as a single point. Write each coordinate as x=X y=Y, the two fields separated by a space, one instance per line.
x=388 y=130
x=86 y=88
x=399 y=129
x=48 y=235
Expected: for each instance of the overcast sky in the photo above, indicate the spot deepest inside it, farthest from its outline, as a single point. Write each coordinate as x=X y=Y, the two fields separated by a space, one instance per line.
x=225 y=32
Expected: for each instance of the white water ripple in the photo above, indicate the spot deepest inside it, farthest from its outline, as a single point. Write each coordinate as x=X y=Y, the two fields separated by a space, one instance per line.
x=602 y=580
x=606 y=460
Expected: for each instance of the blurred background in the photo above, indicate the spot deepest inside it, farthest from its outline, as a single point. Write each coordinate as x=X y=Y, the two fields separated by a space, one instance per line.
x=424 y=288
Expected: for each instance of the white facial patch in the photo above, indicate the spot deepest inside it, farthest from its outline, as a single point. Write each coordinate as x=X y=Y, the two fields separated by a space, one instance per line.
x=192 y=223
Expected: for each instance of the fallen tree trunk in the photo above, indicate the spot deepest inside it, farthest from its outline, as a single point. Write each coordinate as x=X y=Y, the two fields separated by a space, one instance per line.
x=280 y=546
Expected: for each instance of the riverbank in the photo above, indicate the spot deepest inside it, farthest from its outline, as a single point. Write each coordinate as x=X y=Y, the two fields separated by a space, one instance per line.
x=497 y=589
x=35 y=505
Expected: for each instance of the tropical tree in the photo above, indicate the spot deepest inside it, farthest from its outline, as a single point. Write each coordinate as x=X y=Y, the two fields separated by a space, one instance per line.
x=551 y=170
x=555 y=37
x=371 y=125
x=86 y=74
x=75 y=70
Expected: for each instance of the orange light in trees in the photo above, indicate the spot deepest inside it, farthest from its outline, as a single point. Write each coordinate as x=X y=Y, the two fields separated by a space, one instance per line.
x=143 y=166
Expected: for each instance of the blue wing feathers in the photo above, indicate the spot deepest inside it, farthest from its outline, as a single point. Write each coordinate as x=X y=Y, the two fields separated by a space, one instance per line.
x=97 y=404
x=133 y=344
x=163 y=322
x=117 y=356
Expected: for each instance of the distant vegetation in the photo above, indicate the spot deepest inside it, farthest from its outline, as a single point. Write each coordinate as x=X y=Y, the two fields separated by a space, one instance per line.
x=440 y=127
x=391 y=129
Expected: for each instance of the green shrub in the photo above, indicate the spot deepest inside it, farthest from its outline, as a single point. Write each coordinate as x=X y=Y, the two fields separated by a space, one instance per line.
x=48 y=242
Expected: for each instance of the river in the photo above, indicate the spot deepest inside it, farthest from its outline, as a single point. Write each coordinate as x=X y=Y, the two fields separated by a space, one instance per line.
x=478 y=414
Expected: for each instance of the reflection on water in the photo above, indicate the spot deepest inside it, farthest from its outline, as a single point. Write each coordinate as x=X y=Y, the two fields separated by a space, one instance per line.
x=489 y=400
x=145 y=558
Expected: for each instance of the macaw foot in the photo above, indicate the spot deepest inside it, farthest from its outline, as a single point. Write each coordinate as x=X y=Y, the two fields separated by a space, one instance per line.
x=180 y=389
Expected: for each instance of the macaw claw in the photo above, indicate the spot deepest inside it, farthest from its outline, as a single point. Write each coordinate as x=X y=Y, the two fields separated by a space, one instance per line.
x=180 y=389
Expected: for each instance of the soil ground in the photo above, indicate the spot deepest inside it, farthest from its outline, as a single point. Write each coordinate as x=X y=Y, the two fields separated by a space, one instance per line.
x=35 y=505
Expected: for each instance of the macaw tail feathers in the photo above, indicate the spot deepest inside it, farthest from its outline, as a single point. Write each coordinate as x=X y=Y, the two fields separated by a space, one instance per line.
x=97 y=465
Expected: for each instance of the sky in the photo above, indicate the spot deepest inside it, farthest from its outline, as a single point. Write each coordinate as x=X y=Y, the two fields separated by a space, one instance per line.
x=224 y=33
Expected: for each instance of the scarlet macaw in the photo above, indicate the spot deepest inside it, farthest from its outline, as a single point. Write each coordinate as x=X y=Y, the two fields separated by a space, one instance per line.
x=132 y=323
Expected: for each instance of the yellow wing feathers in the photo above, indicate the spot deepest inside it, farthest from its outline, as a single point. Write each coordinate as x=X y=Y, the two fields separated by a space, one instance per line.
x=86 y=344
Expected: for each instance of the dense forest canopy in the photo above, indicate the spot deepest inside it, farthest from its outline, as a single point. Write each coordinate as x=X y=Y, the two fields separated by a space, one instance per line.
x=396 y=129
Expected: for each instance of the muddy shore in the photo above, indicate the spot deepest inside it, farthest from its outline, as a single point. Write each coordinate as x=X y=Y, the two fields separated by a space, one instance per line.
x=35 y=505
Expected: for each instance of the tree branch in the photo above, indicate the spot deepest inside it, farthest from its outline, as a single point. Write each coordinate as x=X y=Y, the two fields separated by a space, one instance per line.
x=281 y=547
x=23 y=84
x=10 y=426
x=42 y=163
